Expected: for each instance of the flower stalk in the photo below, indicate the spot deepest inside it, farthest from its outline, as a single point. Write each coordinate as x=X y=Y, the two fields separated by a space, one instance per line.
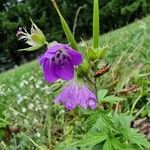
x=66 y=28
x=96 y=24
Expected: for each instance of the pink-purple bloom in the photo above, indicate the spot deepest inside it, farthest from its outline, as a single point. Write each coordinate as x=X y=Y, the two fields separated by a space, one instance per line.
x=58 y=62
x=77 y=95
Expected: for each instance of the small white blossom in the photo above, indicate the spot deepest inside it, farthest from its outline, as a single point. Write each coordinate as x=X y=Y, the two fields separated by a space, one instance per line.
x=39 y=82
x=23 y=109
x=38 y=134
x=35 y=121
x=30 y=106
x=37 y=86
x=45 y=106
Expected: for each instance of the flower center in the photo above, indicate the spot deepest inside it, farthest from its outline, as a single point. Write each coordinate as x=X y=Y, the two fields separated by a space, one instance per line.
x=60 y=57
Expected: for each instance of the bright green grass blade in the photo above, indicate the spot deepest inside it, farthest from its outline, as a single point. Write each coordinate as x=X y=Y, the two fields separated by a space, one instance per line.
x=66 y=28
x=95 y=24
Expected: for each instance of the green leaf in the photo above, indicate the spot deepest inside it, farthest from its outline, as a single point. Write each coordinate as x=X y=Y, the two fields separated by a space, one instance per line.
x=112 y=99
x=32 y=48
x=38 y=38
x=66 y=28
x=92 y=119
x=100 y=52
x=119 y=145
x=92 y=139
x=101 y=94
x=96 y=24
x=108 y=145
x=56 y=86
x=107 y=120
x=92 y=54
x=105 y=123
x=139 y=139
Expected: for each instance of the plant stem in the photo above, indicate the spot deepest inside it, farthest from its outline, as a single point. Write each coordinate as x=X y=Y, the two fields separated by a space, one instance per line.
x=96 y=88
x=49 y=126
x=46 y=43
x=38 y=146
x=134 y=104
x=95 y=24
x=76 y=17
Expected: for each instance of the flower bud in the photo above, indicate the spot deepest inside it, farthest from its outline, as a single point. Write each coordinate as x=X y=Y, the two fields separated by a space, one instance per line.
x=84 y=68
x=35 y=39
x=92 y=55
x=95 y=54
x=100 y=52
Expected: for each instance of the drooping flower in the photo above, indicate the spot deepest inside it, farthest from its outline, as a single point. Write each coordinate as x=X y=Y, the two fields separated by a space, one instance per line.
x=35 y=39
x=58 y=62
x=75 y=95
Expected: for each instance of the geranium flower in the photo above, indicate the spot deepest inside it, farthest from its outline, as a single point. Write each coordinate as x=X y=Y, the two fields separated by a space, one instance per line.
x=35 y=39
x=75 y=95
x=58 y=62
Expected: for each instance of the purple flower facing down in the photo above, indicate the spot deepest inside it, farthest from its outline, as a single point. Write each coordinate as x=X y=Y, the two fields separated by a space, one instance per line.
x=75 y=95
x=58 y=62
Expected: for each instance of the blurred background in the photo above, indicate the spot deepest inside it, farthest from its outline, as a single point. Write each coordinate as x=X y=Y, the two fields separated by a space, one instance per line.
x=16 y=13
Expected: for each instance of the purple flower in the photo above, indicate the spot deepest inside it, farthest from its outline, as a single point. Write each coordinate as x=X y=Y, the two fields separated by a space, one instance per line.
x=77 y=95
x=58 y=62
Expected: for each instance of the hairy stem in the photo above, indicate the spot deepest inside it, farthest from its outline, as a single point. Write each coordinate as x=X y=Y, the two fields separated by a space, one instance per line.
x=96 y=89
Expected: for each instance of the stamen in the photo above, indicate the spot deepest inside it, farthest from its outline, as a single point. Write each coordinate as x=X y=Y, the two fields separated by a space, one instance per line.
x=53 y=59
x=60 y=51
x=64 y=57
x=58 y=55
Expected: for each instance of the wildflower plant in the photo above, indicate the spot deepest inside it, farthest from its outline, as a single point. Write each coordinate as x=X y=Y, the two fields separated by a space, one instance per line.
x=71 y=70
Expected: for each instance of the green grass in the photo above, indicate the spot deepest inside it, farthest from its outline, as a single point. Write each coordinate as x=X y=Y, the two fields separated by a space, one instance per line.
x=25 y=97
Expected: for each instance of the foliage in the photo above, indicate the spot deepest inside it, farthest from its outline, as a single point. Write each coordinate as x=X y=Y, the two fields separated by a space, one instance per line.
x=117 y=137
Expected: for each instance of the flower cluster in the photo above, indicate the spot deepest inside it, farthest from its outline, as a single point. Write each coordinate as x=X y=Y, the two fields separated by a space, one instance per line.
x=59 y=62
x=74 y=95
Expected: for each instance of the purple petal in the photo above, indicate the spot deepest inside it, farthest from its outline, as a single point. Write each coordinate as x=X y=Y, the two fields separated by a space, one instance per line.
x=63 y=96
x=87 y=98
x=49 y=74
x=76 y=57
x=66 y=71
x=82 y=98
x=55 y=48
x=68 y=97
x=45 y=57
x=91 y=103
x=70 y=104
x=42 y=60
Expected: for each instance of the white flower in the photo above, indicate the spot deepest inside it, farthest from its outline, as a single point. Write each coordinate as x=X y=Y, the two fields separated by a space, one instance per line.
x=30 y=106
x=38 y=134
x=37 y=102
x=39 y=82
x=62 y=111
x=35 y=39
x=23 y=109
x=37 y=96
x=37 y=86
x=35 y=121
x=20 y=98
x=15 y=113
x=31 y=78
x=45 y=106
